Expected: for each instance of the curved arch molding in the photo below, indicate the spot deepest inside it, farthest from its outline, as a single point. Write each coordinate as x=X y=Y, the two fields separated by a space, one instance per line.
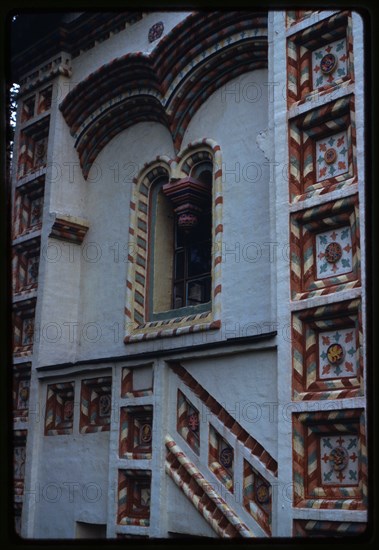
x=197 y=57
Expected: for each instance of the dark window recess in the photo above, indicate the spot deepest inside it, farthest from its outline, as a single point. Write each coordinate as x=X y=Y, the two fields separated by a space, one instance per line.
x=192 y=263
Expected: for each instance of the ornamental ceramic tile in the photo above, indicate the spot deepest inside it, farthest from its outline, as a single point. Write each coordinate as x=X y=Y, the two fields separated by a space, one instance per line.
x=334 y=252
x=329 y=63
x=339 y=459
x=19 y=462
x=338 y=353
x=332 y=156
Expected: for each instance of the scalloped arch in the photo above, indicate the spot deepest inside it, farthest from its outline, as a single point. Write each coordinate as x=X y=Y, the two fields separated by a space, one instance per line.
x=202 y=53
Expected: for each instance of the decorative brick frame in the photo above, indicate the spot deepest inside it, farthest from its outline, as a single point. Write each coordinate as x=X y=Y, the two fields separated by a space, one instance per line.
x=294 y=16
x=34 y=135
x=130 y=485
x=23 y=327
x=92 y=419
x=137 y=326
x=133 y=443
x=306 y=326
x=299 y=56
x=218 y=444
x=19 y=442
x=28 y=207
x=304 y=227
x=20 y=392
x=44 y=99
x=191 y=434
x=127 y=389
x=57 y=396
x=308 y=428
x=25 y=256
x=314 y=528
x=257 y=497
x=304 y=132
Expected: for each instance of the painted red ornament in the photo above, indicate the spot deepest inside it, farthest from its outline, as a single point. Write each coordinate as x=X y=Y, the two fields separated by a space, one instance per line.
x=193 y=422
x=339 y=457
x=335 y=354
x=333 y=252
x=330 y=156
x=328 y=63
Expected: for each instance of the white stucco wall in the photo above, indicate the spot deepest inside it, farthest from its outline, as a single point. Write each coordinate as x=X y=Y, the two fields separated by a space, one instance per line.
x=246 y=386
x=72 y=479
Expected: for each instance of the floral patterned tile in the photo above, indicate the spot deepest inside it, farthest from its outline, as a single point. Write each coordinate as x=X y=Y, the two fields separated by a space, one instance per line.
x=339 y=459
x=332 y=156
x=337 y=353
x=329 y=63
x=334 y=252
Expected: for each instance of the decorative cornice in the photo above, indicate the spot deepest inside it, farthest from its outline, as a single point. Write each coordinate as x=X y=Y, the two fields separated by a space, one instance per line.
x=69 y=228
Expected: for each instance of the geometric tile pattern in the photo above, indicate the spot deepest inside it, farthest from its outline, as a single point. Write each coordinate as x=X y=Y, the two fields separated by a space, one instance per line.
x=257 y=496
x=331 y=155
x=319 y=58
x=134 y=490
x=326 y=342
x=325 y=260
x=202 y=494
x=330 y=459
x=322 y=149
x=329 y=63
x=59 y=408
x=95 y=405
x=188 y=422
x=221 y=458
x=334 y=252
x=138 y=326
x=314 y=528
x=127 y=389
x=136 y=432
x=248 y=441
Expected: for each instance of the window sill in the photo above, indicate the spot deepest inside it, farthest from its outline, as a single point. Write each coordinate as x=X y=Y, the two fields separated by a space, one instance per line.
x=173 y=327
x=174 y=314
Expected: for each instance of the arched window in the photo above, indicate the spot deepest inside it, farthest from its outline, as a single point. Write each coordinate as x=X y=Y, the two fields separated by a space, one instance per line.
x=180 y=244
x=174 y=274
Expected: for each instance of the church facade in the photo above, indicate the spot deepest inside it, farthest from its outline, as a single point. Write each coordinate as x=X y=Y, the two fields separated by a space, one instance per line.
x=188 y=269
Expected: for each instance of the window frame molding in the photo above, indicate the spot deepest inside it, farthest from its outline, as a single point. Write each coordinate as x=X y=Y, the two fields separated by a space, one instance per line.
x=138 y=325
